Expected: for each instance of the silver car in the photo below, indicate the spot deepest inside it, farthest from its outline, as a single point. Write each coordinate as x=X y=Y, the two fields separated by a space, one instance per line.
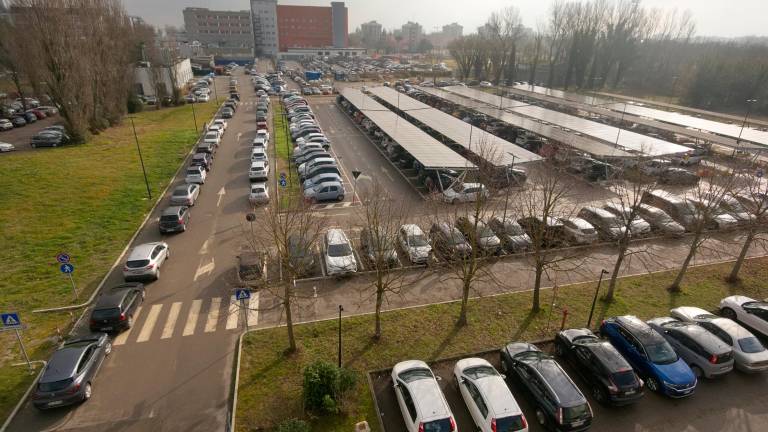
x=659 y=220
x=185 y=194
x=704 y=352
x=145 y=260
x=339 y=257
x=637 y=227
x=414 y=242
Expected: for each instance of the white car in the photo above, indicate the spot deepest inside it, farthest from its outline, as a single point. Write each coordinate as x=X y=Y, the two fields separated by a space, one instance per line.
x=145 y=261
x=260 y=142
x=753 y=313
x=485 y=84
x=5 y=125
x=221 y=122
x=258 y=154
x=259 y=193
x=263 y=133
x=339 y=258
x=579 y=231
x=421 y=401
x=6 y=147
x=212 y=138
x=203 y=97
x=465 y=192
x=216 y=128
x=195 y=174
x=487 y=396
x=259 y=171
x=414 y=242
x=749 y=353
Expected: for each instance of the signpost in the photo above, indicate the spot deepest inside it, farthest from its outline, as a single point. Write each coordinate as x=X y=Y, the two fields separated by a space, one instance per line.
x=67 y=268
x=243 y=294
x=759 y=173
x=63 y=258
x=11 y=321
x=283 y=182
x=355 y=174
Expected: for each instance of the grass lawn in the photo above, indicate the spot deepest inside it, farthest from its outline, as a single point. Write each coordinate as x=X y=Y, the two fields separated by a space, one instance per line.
x=270 y=382
x=284 y=150
x=86 y=200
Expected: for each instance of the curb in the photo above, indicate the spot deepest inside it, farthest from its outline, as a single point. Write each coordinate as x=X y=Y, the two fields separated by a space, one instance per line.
x=24 y=398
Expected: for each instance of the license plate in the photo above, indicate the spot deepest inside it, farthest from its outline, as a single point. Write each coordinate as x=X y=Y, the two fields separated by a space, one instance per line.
x=54 y=403
x=629 y=392
x=106 y=328
x=577 y=423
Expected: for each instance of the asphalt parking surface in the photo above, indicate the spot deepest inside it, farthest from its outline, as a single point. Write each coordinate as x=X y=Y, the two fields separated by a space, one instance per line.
x=21 y=137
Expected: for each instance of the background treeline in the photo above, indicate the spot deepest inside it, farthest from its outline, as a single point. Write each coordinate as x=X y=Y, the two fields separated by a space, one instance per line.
x=618 y=44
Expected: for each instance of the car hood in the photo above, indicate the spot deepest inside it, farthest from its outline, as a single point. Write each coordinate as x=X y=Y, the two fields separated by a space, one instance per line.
x=420 y=251
x=489 y=242
x=344 y=262
x=677 y=373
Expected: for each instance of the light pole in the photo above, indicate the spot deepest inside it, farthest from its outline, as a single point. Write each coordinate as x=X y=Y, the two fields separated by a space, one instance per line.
x=744 y=123
x=594 y=300
x=509 y=185
x=341 y=309
x=194 y=118
x=141 y=159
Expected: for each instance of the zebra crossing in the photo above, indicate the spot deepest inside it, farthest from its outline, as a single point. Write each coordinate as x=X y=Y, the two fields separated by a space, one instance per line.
x=163 y=321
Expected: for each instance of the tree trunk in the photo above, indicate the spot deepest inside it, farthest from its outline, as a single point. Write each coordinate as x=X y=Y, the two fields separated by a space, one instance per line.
x=537 y=288
x=734 y=276
x=289 y=318
x=675 y=287
x=616 y=268
x=379 y=301
x=19 y=90
x=462 y=321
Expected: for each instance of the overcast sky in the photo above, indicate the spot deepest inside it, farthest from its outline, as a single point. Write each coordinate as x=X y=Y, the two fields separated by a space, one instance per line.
x=713 y=17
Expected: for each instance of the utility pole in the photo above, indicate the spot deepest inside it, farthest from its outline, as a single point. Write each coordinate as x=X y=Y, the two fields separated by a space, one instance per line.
x=141 y=159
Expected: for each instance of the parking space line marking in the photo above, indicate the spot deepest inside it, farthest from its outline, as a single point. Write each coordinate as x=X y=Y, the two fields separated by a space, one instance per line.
x=123 y=337
x=233 y=313
x=253 y=309
x=213 y=315
x=194 y=312
x=149 y=323
x=170 y=322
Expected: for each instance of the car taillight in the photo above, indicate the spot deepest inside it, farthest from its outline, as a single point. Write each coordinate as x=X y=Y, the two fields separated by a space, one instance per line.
x=181 y=220
x=612 y=386
x=525 y=422
x=559 y=415
x=93 y=321
x=151 y=266
x=421 y=427
x=453 y=425
x=122 y=316
x=74 y=388
x=493 y=424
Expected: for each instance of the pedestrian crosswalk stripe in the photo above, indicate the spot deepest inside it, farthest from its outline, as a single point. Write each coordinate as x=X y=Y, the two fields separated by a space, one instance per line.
x=194 y=312
x=170 y=322
x=149 y=323
x=213 y=315
x=253 y=312
x=233 y=313
x=122 y=337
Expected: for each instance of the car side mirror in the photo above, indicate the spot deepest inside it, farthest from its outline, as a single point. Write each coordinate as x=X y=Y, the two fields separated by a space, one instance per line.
x=463 y=380
x=438 y=377
x=503 y=376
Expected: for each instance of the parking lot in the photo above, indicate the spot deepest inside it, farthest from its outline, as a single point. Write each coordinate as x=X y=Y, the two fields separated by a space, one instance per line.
x=736 y=402
x=20 y=137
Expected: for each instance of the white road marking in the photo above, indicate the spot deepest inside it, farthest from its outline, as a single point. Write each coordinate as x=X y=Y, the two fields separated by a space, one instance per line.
x=221 y=194
x=386 y=171
x=239 y=134
x=170 y=322
x=204 y=269
x=194 y=312
x=233 y=313
x=149 y=323
x=204 y=249
x=213 y=315
x=253 y=309
x=123 y=337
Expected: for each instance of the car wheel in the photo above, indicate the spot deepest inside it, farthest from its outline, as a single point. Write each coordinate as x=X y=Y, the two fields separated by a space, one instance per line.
x=728 y=313
x=653 y=384
x=340 y=198
x=598 y=394
x=542 y=419
x=697 y=371
x=108 y=349
x=87 y=392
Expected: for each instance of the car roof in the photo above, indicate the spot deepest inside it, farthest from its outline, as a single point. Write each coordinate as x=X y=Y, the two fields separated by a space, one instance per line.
x=600 y=212
x=692 y=311
x=330 y=183
x=561 y=385
x=580 y=223
x=412 y=229
x=168 y=211
x=641 y=330
x=336 y=236
x=258 y=185
x=142 y=251
x=183 y=187
x=701 y=335
x=112 y=298
x=63 y=363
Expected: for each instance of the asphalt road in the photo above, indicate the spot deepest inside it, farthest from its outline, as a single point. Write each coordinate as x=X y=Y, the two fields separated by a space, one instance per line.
x=172 y=370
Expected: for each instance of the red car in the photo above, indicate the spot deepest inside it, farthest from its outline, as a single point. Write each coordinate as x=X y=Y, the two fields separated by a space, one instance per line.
x=262 y=125
x=39 y=114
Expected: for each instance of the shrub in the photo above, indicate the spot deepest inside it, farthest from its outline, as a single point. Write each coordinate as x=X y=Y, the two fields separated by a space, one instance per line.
x=134 y=104
x=293 y=425
x=324 y=386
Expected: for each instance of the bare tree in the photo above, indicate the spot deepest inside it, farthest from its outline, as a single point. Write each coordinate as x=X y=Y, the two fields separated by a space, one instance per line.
x=754 y=214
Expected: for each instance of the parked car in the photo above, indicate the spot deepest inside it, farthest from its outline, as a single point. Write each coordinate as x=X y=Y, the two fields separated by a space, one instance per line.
x=511 y=234
x=316 y=162
x=68 y=375
x=18 y=121
x=204 y=160
x=421 y=402
x=448 y=241
x=321 y=178
x=116 y=307
x=259 y=154
x=608 y=375
x=487 y=397
x=638 y=227
x=227 y=112
x=478 y=234
x=259 y=170
x=659 y=220
x=378 y=247
x=549 y=234
x=750 y=355
x=6 y=147
x=736 y=209
x=214 y=127
x=750 y=312
x=679 y=209
x=325 y=169
x=326 y=191
x=49 y=138
x=195 y=174
x=185 y=194
x=263 y=134
x=212 y=138
x=465 y=192
x=174 y=219
x=30 y=117
x=206 y=147
x=5 y=125
x=339 y=258
x=607 y=224
x=715 y=216
x=145 y=261
x=259 y=193
x=415 y=244
x=559 y=403
x=301 y=254
x=578 y=231
x=652 y=357
x=678 y=176
x=706 y=355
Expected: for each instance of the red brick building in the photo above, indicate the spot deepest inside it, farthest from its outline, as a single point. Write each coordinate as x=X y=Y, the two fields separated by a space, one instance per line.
x=312 y=26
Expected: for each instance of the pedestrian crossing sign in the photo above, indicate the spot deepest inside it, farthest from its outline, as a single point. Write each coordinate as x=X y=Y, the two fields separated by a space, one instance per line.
x=10 y=320
x=242 y=294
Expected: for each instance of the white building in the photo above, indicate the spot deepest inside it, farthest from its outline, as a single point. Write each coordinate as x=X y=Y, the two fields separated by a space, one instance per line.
x=145 y=75
x=264 y=18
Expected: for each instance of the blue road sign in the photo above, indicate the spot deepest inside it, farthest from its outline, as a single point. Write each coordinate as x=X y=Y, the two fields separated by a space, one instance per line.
x=10 y=320
x=67 y=268
x=282 y=175
x=242 y=294
x=283 y=182
x=63 y=258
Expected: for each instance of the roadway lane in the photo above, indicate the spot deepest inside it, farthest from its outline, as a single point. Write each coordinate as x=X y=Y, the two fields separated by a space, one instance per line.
x=172 y=371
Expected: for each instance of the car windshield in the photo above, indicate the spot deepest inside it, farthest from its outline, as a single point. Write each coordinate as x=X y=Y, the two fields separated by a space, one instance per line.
x=661 y=353
x=624 y=378
x=485 y=232
x=575 y=413
x=417 y=240
x=510 y=424
x=480 y=371
x=339 y=250
x=513 y=229
x=138 y=263
x=442 y=425
x=54 y=386
x=456 y=238
x=193 y=172
x=211 y=135
x=415 y=374
x=105 y=313
x=180 y=192
x=751 y=345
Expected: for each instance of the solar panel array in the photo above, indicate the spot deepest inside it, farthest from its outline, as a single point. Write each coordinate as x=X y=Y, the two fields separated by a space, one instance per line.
x=628 y=140
x=585 y=144
x=428 y=151
x=495 y=150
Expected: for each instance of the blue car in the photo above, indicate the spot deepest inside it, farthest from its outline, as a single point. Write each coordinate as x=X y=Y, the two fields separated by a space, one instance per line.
x=651 y=355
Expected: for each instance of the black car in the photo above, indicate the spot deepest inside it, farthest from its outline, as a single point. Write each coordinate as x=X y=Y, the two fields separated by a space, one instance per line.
x=235 y=95
x=116 y=307
x=174 y=219
x=30 y=117
x=609 y=376
x=560 y=405
x=250 y=267
x=18 y=121
x=301 y=258
x=261 y=117
x=551 y=234
x=67 y=377
x=378 y=247
x=227 y=112
x=206 y=147
x=448 y=241
x=202 y=159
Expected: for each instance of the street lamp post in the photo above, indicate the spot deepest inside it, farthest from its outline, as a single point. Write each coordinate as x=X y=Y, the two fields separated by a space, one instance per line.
x=194 y=118
x=341 y=309
x=141 y=158
x=594 y=300
x=744 y=123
